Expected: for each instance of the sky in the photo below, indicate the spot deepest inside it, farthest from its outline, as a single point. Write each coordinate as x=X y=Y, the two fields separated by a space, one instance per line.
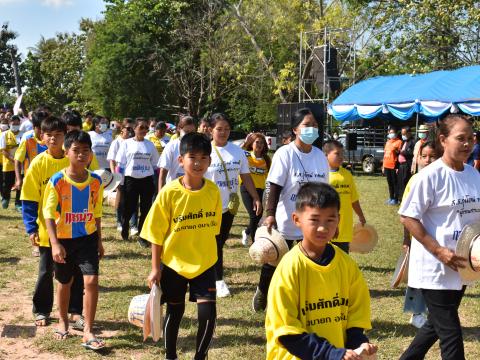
x=31 y=19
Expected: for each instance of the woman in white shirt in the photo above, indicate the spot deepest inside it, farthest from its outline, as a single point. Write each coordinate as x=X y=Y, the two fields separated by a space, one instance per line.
x=137 y=159
x=294 y=164
x=228 y=164
x=442 y=200
x=101 y=140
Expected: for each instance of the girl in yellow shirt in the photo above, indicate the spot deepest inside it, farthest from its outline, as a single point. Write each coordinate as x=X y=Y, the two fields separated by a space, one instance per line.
x=256 y=150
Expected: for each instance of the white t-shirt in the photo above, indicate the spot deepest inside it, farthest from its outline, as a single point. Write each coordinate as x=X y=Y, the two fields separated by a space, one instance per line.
x=25 y=125
x=100 y=146
x=290 y=169
x=114 y=147
x=138 y=158
x=236 y=163
x=444 y=200
x=169 y=160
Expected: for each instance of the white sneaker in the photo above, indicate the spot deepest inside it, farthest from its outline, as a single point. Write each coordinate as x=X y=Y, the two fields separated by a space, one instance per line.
x=418 y=320
x=244 y=238
x=133 y=231
x=222 y=289
x=119 y=227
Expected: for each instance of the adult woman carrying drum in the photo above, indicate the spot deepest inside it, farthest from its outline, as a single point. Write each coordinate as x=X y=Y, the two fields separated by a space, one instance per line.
x=442 y=200
x=292 y=165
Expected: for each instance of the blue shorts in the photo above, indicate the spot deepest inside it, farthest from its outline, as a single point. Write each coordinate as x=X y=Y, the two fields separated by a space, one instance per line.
x=174 y=286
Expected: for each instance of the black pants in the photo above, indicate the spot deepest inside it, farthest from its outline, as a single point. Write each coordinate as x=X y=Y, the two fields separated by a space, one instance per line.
x=227 y=221
x=404 y=174
x=248 y=203
x=391 y=175
x=137 y=190
x=443 y=323
x=43 y=294
x=267 y=271
x=121 y=205
x=8 y=182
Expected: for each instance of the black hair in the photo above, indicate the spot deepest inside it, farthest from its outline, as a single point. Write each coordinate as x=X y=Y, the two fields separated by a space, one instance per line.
x=287 y=134
x=215 y=118
x=406 y=128
x=53 y=123
x=44 y=107
x=431 y=144
x=72 y=118
x=161 y=126
x=299 y=115
x=79 y=136
x=89 y=113
x=317 y=195
x=97 y=120
x=15 y=118
x=331 y=145
x=38 y=117
x=184 y=121
x=195 y=143
x=138 y=120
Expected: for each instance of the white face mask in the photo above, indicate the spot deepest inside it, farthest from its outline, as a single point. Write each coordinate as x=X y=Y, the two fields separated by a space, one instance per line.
x=152 y=128
x=15 y=128
x=4 y=127
x=103 y=127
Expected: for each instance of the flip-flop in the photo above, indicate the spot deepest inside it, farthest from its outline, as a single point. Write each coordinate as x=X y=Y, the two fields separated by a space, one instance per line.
x=89 y=344
x=79 y=324
x=42 y=317
x=63 y=334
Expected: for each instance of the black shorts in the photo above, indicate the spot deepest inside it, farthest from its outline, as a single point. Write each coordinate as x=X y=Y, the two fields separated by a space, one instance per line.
x=81 y=252
x=174 y=286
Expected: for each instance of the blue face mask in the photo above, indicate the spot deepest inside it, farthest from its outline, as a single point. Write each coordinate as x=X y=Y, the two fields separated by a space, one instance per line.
x=308 y=135
x=422 y=135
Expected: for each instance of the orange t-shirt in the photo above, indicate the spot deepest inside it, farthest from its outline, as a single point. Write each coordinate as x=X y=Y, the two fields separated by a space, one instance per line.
x=390 y=156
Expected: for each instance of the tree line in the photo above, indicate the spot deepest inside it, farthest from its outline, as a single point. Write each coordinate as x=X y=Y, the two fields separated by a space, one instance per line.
x=162 y=57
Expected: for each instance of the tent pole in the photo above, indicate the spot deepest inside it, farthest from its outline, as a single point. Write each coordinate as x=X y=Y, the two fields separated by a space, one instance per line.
x=416 y=126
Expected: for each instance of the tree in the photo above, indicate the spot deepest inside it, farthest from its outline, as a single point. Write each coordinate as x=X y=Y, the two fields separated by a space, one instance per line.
x=9 y=55
x=54 y=71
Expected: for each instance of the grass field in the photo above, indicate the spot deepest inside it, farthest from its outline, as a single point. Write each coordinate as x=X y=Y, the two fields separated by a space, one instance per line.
x=240 y=332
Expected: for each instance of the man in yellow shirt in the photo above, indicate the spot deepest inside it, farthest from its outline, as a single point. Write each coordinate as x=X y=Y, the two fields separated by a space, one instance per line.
x=182 y=225
x=318 y=301
x=342 y=181
x=9 y=141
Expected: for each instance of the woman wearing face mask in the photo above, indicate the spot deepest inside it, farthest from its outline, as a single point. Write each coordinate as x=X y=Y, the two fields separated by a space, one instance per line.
x=101 y=141
x=294 y=164
x=390 y=164
x=422 y=133
x=9 y=141
x=405 y=160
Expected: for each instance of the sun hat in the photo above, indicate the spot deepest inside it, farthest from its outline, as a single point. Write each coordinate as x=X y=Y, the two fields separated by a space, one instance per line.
x=145 y=311
x=468 y=246
x=365 y=238
x=268 y=248
x=422 y=128
x=400 y=275
x=110 y=180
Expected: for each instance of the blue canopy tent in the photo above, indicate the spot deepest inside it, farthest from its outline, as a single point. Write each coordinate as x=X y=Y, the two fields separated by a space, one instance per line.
x=429 y=95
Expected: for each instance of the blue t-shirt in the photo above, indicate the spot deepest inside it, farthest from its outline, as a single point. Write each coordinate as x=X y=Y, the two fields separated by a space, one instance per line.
x=475 y=155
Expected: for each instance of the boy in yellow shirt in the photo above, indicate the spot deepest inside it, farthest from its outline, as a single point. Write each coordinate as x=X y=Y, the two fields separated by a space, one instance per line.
x=72 y=208
x=9 y=141
x=182 y=225
x=342 y=181
x=36 y=179
x=318 y=301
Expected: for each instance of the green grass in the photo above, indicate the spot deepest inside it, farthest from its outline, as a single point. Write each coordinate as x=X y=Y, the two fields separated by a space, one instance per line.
x=240 y=333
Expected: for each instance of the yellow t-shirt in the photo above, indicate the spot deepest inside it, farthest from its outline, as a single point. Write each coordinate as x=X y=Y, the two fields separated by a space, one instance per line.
x=11 y=146
x=258 y=170
x=342 y=181
x=35 y=182
x=408 y=187
x=174 y=136
x=156 y=141
x=185 y=223
x=305 y=297
x=28 y=149
x=74 y=206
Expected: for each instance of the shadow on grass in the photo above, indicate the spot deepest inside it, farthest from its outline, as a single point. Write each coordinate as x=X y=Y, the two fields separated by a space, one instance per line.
x=377 y=269
x=124 y=255
x=9 y=260
x=10 y=217
x=374 y=293
x=126 y=288
x=18 y=331
x=387 y=329
x=242 y=269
